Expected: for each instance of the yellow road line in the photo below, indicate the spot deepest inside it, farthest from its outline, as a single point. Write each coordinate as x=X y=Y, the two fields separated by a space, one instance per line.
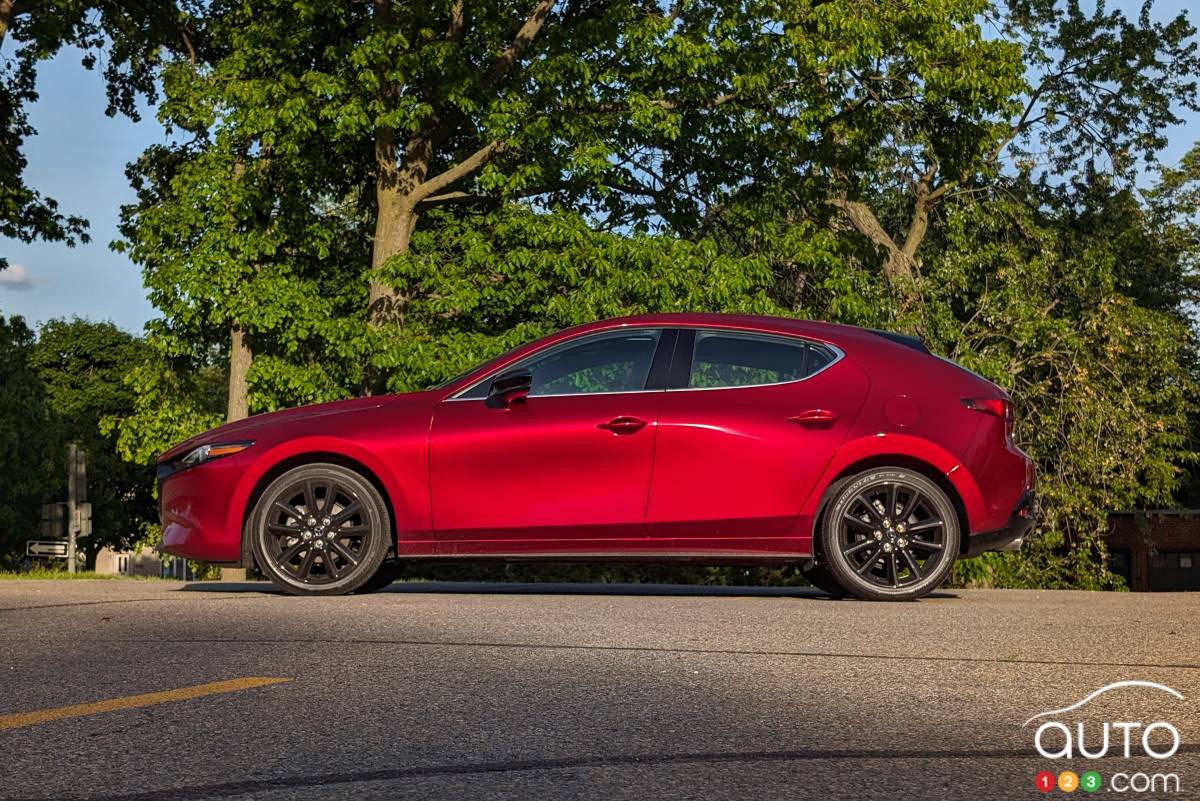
x=15 y=720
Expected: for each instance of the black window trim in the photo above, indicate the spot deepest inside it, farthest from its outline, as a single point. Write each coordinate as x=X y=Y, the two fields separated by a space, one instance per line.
x=665 y=334
x=681 y=367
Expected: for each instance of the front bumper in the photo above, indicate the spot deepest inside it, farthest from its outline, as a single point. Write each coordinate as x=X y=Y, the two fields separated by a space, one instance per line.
x=195 y=511
x=1010 y=537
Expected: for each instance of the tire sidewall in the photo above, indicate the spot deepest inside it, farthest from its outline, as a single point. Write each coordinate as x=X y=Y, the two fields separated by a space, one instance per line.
x=375 y=510
x=830 y=531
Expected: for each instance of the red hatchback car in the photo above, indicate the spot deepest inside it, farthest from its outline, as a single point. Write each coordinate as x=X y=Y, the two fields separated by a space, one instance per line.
x=709 y=438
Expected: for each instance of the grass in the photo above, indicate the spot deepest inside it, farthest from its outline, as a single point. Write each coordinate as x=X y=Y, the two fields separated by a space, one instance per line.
x=42 y=574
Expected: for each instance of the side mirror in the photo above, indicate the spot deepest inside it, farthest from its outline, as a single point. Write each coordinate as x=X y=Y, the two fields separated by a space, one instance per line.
x=509 y=388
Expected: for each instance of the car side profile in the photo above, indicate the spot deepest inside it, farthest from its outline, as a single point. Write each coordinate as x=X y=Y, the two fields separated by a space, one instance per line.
x=719 y=439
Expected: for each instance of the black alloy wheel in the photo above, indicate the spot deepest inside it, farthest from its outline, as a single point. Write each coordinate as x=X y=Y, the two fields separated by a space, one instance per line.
x=890 y=534
x=320 y=529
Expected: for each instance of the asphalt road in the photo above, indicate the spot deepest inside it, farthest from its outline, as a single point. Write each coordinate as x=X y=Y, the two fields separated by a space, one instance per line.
x=455 y=691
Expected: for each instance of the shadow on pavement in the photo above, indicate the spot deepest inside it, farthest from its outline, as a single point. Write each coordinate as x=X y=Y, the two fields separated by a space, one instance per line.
x=550 y=588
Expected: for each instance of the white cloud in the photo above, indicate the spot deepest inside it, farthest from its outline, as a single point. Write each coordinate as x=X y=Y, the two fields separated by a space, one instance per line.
x=16 y=277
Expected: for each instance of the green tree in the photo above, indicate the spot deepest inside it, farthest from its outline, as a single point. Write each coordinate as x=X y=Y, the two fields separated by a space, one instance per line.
x=82 y=367
x=22 y=437
x=127 y=37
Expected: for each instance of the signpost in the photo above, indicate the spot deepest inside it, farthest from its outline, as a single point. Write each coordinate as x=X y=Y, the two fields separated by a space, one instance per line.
x=53 y=549
x=78 y=510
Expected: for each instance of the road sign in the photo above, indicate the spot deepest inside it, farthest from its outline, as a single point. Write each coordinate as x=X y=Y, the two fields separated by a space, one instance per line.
x=81 y=523
x=53 y=549
x=54 y=521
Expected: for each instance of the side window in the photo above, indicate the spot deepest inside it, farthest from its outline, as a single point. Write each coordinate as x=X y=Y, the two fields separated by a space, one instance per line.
x=617 y=362
x=726 y=359
x=612 y=363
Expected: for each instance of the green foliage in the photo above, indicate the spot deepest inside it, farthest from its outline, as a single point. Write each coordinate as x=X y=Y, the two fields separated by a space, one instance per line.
x=1034 y=297
x=82 y=367
x=481 y=285
x=22 y=436
x=125 y=37
x=177 y=393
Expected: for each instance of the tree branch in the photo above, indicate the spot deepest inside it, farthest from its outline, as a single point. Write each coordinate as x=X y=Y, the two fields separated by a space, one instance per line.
x=525 y=36
x=898 y=266
x=456 y=173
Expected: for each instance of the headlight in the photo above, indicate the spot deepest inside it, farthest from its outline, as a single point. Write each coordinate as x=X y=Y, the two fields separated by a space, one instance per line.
x=206 y=453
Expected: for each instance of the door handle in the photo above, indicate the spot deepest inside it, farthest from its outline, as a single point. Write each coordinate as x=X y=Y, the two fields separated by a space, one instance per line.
x=815 y=417
x=623 y=425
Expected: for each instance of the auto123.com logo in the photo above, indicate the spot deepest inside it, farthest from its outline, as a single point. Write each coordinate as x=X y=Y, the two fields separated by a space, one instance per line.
x=1071 y=733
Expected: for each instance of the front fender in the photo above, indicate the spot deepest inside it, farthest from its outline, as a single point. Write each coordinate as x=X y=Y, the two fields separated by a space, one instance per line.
x=410 y=513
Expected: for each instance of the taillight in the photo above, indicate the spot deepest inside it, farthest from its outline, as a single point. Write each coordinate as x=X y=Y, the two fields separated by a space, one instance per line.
x=997 y=407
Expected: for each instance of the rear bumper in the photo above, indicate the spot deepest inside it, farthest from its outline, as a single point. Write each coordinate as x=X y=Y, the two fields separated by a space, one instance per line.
x=1012 y=535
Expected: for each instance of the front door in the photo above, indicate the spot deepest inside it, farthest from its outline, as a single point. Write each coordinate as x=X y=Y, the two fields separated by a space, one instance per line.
x=571 y=463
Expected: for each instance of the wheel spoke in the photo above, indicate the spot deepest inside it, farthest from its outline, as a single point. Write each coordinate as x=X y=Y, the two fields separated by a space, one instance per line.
x=310 y=498
x=910 y=505
x=280 y=528
x=853 y=549
x=912 y=565
x=872 y=512
x=344 y=553
x=865 y=566
x=924 y=544
x=330 y=565
x=859 y=522
x=890 y=505
x=289 y=510
x=895 y=570
x=933 y=522
x=353 y=531
x=330 y=496
x=346 y=513
x=306 y=565
x=290 y=553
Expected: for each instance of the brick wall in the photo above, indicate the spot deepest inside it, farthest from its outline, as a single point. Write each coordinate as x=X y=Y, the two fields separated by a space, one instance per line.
x=1143 y=533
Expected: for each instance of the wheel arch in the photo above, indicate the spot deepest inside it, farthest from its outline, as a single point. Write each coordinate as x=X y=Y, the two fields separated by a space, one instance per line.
x=900 y=460
x=297 y=460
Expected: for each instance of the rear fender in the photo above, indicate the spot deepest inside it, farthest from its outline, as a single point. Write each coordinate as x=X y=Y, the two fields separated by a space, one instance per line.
x=875 y=449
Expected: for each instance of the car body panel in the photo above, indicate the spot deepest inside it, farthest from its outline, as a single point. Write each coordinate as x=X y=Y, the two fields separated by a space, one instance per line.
x=729 y=461
x=541 y=469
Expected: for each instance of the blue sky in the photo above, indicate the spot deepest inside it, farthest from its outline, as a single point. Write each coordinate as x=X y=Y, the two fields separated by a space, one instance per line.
x=78 y=157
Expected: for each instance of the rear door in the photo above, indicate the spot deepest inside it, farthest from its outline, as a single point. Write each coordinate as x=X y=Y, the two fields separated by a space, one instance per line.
x=748 y=424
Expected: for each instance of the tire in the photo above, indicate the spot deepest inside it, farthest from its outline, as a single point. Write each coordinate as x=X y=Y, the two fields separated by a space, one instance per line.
x=384 y=577
x=290 y=525
x=899 y=553
x=820 y=577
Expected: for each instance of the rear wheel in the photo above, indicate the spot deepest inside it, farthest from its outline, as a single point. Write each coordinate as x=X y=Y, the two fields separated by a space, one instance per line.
x=320 y=529
x=890 y=535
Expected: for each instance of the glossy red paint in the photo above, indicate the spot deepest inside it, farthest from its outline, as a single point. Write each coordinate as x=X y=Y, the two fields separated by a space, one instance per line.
x=672 y=472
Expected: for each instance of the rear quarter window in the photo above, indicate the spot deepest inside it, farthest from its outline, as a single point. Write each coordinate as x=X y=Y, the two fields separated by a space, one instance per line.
x=732 y=359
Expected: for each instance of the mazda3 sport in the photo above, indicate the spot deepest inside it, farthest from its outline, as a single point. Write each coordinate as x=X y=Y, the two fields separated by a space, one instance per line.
x=717 y=439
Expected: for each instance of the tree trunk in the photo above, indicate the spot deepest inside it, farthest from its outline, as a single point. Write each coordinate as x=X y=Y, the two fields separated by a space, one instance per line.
x=393 y=232
x=6 y=13
x=240 y=358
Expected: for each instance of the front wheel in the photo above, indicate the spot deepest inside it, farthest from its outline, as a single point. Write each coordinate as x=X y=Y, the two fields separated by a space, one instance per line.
x=320 y=529
x=890 y=535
